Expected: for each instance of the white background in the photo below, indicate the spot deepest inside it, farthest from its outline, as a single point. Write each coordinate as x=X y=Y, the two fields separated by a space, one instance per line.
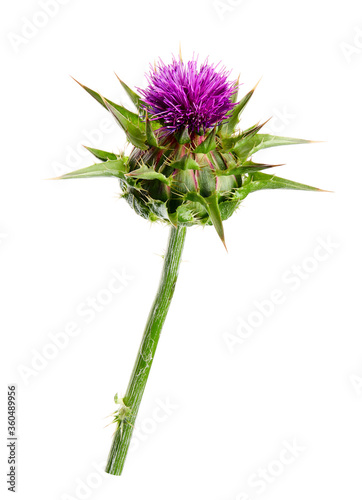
x=297 y=377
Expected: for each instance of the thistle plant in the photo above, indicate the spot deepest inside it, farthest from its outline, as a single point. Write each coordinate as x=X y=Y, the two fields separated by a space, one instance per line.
x=191 y=163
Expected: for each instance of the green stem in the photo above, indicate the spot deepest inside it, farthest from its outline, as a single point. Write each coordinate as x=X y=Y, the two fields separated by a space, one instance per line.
x=146 y=353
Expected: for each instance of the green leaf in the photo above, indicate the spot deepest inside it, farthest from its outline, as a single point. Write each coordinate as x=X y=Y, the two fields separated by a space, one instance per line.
x=135 y=98
x=260 y=181
x=185 y=163
x=228 y=207
x=173 y=218
x=133 y=117
x=253 y=144
x=151 y=138
x=246 y=168
x=182 y=136
x=159 y=208
x=112 y=168
x=231 y=123
x=230 y=143
x=91 y=92
x=215 y=216
x=134 y=134
x=101 y=155
x=148 y=174
x=208 y=144
x=195 y=198
x=211 y=204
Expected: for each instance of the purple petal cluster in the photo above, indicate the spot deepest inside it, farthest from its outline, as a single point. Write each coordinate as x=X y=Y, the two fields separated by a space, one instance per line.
x=182 y=95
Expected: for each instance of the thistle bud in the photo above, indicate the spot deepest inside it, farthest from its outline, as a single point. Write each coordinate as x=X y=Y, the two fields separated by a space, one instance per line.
x=190 y=163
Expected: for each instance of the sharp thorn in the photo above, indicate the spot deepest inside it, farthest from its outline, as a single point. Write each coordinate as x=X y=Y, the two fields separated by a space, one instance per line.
x=257 y=83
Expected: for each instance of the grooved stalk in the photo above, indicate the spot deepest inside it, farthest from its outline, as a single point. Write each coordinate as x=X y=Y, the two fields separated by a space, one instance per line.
x=146 y=353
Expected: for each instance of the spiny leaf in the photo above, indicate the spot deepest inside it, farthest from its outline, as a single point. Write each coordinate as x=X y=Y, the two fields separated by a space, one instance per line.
x=183 y=136
x=111 y=168
x=208 y=144
x=246 y=168
x=94 y=94
x=215 y=216
x=101 y=155
x=195 y=198
x=159 y=208
x=136 y=136
x=148 y=174
x=211 y=204
x=231 y=123
x=253 y=144
x=173 y=217
x=232 y=142
x=185 y=163
x=133 y=117
x=260 y=181
x=135 y=98
x=151 y=138
x=228 y=207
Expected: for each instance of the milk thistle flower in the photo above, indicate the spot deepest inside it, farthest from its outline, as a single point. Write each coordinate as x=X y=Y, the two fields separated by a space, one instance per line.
x=190 y=164
x=181 y=95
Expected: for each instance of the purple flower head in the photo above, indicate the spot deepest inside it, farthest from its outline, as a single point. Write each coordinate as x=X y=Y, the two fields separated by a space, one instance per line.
x=182 y=95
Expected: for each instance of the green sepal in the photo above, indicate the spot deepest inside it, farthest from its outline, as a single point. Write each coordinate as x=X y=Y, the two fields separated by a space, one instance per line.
x=246 y=168
x=185 y=163
x=135 y=98
x=148 y=174
x=211 y=204
x=228 y=207
x=215 y=216
x=158 y=208
x=111 y=168
x=139 y=206
x=230 y=143
x=229 y=125
x=91 y=92
x=173 y=217
x=189 y=214
x=133 y=117
x=258 y=181
x=208 y=144
x=253 y=144
x=195 y=198
x=101 y=155
x=151 y=138
x=183 y=136
x=133 y=132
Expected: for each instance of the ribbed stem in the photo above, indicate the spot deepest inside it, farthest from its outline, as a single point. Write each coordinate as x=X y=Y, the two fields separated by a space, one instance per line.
x=146 y=353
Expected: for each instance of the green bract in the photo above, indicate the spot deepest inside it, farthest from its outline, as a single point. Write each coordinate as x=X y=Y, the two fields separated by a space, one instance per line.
x=187 y=178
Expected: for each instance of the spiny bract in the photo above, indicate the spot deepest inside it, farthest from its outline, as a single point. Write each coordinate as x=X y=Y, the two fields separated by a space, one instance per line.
x=190 y=163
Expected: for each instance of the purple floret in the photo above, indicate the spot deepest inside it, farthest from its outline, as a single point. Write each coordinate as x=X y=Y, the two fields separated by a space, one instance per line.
x=181 y=95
